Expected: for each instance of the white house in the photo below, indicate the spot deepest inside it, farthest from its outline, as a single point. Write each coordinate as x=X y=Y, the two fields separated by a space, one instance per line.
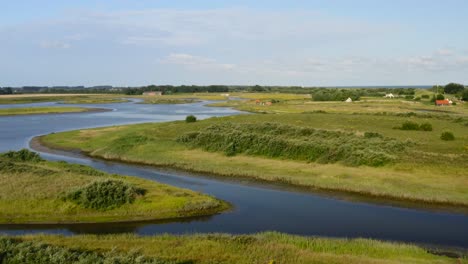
x=390 y=95
x=349 y=100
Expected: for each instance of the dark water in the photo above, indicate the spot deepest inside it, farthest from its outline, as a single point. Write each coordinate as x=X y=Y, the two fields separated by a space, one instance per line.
x=257 y=207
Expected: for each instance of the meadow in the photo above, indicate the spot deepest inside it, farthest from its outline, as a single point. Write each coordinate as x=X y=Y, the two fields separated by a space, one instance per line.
x=426 y=170
x=269 y=247
x=38 y=191
x=44 y=110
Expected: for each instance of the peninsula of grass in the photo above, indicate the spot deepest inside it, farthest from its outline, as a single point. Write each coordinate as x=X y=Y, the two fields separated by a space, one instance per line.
x=269 y=247
x=46 y=110
x=38 y=191
x=352 y=153
x=63 y=98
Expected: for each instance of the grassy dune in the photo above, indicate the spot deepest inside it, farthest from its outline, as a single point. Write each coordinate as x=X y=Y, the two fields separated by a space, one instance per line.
x=430 y=171
x=43 y=110
x=270 y=247
x=37 y=192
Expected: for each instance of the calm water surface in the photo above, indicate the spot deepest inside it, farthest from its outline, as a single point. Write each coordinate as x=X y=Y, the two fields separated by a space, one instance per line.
x=257 y=207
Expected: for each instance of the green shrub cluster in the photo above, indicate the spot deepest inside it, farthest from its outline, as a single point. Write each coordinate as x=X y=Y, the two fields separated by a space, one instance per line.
x=410 y=125
x=296 y=143
x=125 y=143
x=447 y=136
x=336 y=94
x=13 y=251
x=22 y=155
x=191 y=119
x=105 y=195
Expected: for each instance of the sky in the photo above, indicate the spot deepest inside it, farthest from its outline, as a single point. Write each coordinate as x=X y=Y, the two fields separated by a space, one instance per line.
x=304 y=43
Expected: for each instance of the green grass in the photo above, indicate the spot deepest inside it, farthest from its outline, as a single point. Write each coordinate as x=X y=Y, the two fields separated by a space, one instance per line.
x=64 y=98
x=430 y=171
x=269 y=247
x=35 y=191
x=43 y=110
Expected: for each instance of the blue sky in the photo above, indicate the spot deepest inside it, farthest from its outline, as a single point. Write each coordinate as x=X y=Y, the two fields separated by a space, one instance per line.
x=309 y=43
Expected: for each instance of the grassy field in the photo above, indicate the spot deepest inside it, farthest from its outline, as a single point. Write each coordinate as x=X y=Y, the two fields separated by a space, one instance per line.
x=64 y=98
x=428 y=171
x=270 y=247
x=38 y=191
x=43 y=110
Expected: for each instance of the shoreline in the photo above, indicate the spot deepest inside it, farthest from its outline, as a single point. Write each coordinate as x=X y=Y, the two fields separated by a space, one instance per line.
x=346 y=195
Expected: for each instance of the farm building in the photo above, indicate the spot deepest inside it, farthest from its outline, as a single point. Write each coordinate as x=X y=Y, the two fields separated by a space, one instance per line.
x=349 y=100
x=390 y=95
x=153 y=93
x=443 y=102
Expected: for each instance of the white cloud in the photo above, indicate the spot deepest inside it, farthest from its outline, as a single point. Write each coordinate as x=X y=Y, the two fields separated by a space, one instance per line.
x=54 y=45
x=195 y=62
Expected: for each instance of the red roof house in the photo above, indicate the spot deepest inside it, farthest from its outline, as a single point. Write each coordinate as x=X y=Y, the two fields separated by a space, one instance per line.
x=442 y=102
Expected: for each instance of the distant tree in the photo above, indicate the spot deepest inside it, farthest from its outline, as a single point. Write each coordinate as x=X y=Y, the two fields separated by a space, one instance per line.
x=440 y=97
x=453 y=88
x=464 y=95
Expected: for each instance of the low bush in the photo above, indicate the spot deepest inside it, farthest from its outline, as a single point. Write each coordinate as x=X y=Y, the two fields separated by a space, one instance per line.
x=22 y=155
x=425 y=96
x=425 y=127
x=410 y=125
x=447 y=136
x=191 y=119
x=13 y=250
x=296 y=143
x=105 y=195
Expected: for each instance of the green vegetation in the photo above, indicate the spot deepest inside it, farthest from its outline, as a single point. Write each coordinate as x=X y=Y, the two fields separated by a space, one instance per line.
x=274 y=140
x=43 y=110
x=191 y=119
x=15 y=251
x=411 y=125
x=447 y=136
x=64 y=98
x=270 y=247
x=105 y=195
x=426 y=171
x=38 y=191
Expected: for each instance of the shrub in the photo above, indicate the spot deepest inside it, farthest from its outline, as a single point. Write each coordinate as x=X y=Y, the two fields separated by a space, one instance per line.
x=447 y=136
x=440 y=97
x=425 y=96
x=105 y=195
x=296 y=143
x=191 y=119
x=409 y=97
x=425 y=127
x=14 y=250
x=417 y=98
x=22 y=155
x=410 y=125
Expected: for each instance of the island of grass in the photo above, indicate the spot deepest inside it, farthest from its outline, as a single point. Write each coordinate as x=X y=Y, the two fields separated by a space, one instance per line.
x=349 y=153
x=63 y=98
x=47 y=110
x=38 y=191
x=270 y=247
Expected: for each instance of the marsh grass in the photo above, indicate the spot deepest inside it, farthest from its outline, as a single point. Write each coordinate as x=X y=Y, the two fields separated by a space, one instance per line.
x=429 y=170
x=42 y=110
x=265 y=248
x=275 y=140
x=38 y=191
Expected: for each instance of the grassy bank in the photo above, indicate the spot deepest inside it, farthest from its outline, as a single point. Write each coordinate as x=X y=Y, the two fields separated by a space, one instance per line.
x=64 y=98
x=428 y=170
x=270 y=247
x=38 y=191
x=44 y=110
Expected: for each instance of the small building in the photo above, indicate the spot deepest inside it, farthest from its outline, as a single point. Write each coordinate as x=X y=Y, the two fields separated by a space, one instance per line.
x=349 y=100
x=153 y=93
x=225 y=94
x=442 y=102
x=390 y=95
